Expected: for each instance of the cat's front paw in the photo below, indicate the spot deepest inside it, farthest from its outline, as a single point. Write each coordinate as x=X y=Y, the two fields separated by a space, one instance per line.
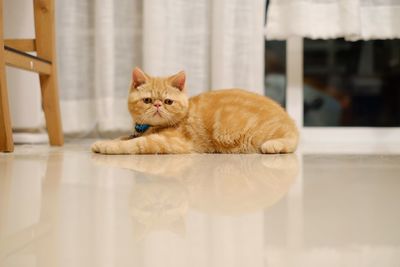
x=110 y=147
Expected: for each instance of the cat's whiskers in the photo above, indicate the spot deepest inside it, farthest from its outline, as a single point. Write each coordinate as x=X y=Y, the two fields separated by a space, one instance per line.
x=145 y=116
x=169 y=117
x=158 y=112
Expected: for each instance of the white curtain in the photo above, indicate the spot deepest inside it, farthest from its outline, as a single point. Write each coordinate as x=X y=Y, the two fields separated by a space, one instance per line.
x=218 y=43
x=351 y=19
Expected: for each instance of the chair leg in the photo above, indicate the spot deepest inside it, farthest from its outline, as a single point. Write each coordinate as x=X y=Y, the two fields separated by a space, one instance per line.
x=51 y=108
x=45 y=46
x=6 y=141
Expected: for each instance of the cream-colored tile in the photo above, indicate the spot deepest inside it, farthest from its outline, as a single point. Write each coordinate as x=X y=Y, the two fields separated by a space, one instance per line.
x=69 y=207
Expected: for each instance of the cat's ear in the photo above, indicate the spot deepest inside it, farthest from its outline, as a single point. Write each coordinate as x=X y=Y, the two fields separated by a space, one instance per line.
x=138 y=77
x=178 y=80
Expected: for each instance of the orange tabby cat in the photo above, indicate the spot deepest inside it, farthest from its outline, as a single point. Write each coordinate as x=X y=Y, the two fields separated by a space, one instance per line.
x=225 y=121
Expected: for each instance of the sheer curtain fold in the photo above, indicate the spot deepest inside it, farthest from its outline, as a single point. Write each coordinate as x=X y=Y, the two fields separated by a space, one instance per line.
x=324 y=19
x=218 y=43
x=237 y=56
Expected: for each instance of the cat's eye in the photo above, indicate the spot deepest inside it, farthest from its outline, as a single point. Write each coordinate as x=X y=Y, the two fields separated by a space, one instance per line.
x=147 y=100
x=168 y=101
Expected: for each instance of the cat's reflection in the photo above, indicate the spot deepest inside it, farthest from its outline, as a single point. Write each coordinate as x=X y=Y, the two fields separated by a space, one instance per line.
x=158 y=204
x=168 y=185
x=235 y=184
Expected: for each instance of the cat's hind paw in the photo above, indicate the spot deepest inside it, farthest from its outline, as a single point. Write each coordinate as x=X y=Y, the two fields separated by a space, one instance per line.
x=273 y=147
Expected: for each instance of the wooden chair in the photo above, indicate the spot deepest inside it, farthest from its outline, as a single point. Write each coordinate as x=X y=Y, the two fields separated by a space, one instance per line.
x=13 y=53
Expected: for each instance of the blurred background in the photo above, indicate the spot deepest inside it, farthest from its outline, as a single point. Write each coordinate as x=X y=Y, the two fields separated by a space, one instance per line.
x=345 y=83
x=219 y=44
x=350 y=57
x=351 y=70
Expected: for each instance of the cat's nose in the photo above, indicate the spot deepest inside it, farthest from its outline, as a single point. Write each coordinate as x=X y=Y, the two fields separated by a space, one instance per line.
x=157 y=105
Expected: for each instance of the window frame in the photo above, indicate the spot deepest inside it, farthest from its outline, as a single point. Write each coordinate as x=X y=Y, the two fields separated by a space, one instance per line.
x=330 y=139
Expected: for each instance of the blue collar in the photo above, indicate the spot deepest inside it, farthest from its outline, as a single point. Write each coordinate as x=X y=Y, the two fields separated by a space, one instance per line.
x=141 y=128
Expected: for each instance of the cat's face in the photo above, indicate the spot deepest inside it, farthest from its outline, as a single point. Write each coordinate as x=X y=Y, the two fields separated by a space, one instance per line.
x=157 y=101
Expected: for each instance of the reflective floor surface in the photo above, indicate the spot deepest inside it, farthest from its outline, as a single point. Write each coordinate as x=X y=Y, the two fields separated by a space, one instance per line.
x=68 y=207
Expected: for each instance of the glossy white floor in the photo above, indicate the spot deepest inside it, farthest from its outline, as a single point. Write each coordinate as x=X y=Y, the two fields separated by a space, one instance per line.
x=68 y=207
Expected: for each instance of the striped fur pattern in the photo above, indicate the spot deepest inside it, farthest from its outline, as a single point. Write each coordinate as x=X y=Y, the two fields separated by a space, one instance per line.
x=224 y=121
